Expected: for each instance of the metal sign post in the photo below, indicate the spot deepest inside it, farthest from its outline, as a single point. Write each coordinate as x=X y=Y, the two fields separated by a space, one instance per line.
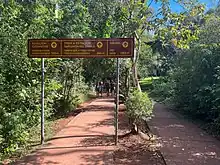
x=117 y=103
x=81 y=48
x=42 y=101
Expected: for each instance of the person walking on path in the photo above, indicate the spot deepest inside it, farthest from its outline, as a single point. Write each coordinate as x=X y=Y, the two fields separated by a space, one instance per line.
x=107 y=87
x=97 y=88
x=112 y=88
x=101 y=87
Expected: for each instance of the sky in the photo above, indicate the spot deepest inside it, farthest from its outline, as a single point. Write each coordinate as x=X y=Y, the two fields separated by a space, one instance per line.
x=177 y=8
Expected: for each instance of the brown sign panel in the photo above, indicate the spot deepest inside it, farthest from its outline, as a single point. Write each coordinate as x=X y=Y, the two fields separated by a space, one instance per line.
x=81 y=48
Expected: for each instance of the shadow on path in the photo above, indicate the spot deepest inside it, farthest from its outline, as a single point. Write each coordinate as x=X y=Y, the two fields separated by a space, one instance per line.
x=182 y=142
x=86 y=140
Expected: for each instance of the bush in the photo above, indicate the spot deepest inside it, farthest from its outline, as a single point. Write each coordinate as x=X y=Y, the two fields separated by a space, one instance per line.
x=14 y=132
x=64 y=106
x=139 y=106
x=193 y=86
x=162 y=89
x=197 y=83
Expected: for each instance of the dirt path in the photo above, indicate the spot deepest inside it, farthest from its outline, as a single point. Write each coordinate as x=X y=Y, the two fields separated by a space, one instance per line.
x=183 y=143
x=88 y=140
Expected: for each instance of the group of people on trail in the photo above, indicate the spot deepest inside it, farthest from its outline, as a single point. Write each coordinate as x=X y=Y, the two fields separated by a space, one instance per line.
x=107 y=87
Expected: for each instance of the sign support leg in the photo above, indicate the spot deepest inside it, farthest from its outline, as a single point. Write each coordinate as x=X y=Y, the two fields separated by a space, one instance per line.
x=117 y=103
x=42 y=101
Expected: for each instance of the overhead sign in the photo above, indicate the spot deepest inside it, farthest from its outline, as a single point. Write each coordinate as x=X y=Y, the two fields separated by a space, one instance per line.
x=81 y=48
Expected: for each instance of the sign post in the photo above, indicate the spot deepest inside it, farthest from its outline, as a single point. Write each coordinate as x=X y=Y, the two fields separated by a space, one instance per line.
x=117 y=102
x=42 y=101
x=81 y=48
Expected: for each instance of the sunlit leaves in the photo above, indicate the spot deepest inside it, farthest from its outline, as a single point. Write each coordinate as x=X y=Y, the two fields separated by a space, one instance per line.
x=210 y=32
x=20 y=76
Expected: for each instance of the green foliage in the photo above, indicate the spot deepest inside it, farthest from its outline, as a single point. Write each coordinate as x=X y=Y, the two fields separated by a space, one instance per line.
x=20 y=77
x=193 y=85
x=196 y=81
x=14 y=132
x=162 y=89
x=182 y=28
x=74 y=19
x=66 y=104
x=147 y=61
x=147 y=83
x=92 y=73
x=138 y=106
x=210 y=32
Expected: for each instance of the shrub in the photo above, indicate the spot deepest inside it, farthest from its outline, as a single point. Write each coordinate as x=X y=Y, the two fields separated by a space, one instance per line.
x=194 y=85
x=197 y=83
x=162 y=89
x=139 y=106
x=14 y=132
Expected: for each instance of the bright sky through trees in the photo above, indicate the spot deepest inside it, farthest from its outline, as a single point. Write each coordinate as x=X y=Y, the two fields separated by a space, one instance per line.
x=177 y=8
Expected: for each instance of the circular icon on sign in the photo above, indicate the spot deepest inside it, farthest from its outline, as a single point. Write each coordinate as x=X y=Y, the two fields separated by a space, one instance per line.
x=125 y=44
x=99 y=44
x=53 y=44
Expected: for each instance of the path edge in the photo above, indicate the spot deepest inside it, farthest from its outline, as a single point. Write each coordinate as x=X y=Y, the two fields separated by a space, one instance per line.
x=154 y=132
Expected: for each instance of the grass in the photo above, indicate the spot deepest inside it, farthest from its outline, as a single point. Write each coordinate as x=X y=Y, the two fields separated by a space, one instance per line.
x=148 y=80
x=35 y=132
x=148 y=87
x=147 y=83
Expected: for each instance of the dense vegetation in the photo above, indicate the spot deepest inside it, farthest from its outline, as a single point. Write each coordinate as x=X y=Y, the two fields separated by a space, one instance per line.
x=68 y=79
x=192 y=83
x=20 y=77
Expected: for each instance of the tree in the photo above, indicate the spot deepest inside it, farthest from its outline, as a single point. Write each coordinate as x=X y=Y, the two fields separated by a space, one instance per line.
x=192 y=86
x=21 y=76
x=209 y=31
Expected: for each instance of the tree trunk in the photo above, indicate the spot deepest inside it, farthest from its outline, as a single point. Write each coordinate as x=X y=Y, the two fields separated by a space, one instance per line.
x=135 y=77
x=65 y=84
x=70 y=89
x=134 y=63
x=127 y=81
x=134 y=128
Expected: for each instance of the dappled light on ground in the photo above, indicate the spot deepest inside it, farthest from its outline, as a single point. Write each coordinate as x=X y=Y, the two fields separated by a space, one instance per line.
x=183 y=142
x=88 y=139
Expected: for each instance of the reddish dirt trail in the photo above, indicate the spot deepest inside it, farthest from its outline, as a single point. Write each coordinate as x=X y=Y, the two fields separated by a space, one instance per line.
x=85 y=140
x=183 y=143
x=88 y=139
